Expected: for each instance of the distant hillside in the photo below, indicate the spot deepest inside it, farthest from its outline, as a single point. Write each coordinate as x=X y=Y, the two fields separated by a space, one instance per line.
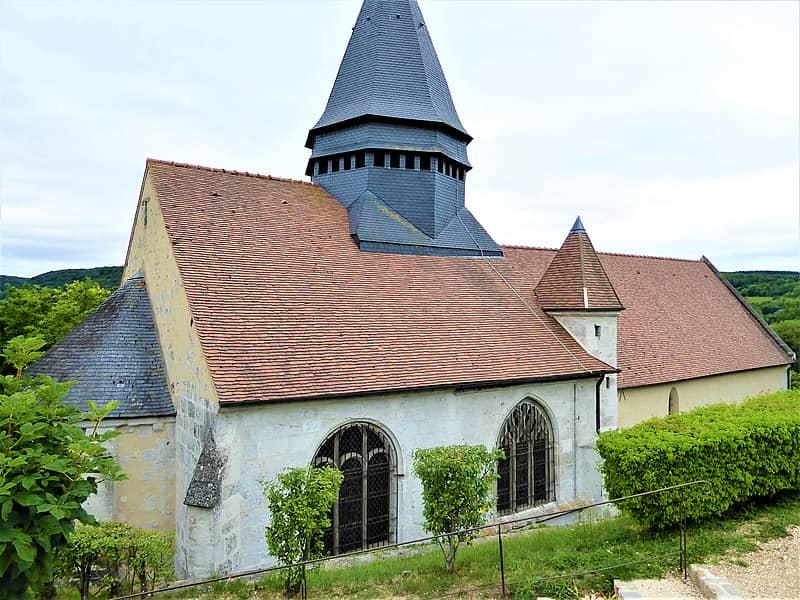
x=107 y=277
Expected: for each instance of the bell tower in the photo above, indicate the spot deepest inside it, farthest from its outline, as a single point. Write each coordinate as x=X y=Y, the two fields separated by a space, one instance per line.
x=390 y=145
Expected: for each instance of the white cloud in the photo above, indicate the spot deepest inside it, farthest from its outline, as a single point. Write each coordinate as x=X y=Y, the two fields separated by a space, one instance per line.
x=672 y=127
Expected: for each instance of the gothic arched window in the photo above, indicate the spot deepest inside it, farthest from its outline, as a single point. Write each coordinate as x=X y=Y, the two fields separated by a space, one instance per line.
x=527 y=474
x=365 y=514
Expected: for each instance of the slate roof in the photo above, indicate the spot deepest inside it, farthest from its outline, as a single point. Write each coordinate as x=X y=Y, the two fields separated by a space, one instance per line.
x=390 y=69
x=114 y=355
x=681 y=320
x=575 y=278
x=287 y=307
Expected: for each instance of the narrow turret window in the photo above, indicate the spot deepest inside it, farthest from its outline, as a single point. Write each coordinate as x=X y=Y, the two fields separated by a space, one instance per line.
x=425 y=162
x=395 y=159
x=323 y=166
x=359 y=160
x=409 y=161
x=379 y=159
x=348 y=158
x=335 y=164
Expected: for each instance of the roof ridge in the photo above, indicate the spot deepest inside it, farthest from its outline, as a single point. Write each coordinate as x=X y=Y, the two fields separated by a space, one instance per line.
x=183 y=165
x=525 y=247
x=632 y=255
x=689 y=260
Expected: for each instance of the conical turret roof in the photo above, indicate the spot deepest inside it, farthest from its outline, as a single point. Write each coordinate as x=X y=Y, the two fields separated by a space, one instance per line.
x=575 y=279
x=390 y=70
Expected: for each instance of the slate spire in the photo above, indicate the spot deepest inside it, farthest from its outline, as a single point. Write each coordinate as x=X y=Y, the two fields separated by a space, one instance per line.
x=390 y=145
x=575 y=279
x=390 y=70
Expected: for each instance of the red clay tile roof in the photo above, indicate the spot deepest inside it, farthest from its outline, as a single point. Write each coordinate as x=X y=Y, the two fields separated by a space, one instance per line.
x=575 y=279
x=287 y=307
x=680 y=320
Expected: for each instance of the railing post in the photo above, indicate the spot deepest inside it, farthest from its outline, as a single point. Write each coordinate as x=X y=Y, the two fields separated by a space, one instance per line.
x=305 y=584
x=502 y=562
x=684 y=557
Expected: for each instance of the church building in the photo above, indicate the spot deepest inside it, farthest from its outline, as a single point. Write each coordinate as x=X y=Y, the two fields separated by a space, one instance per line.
x=265 y=323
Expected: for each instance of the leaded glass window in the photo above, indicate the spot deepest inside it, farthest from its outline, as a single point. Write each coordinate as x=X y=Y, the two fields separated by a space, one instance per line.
x=365 y=514
x=526 y=476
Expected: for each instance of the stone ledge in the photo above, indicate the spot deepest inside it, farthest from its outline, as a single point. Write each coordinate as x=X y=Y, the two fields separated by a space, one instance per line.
x=626 y=590
x=712 y=585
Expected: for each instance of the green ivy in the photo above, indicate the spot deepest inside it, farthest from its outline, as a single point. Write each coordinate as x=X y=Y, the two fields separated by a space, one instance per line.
x=742 y=451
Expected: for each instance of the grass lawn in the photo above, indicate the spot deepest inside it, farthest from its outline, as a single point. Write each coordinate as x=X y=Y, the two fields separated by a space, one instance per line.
x=531 y=557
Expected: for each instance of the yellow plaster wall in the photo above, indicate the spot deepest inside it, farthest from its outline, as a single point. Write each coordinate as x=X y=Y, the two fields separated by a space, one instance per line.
x=146 y=453
x=150 y=251
x=639 y=404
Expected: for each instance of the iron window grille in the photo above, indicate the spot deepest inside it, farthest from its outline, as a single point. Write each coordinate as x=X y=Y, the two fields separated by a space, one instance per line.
x=526 y=477
x=365 y=515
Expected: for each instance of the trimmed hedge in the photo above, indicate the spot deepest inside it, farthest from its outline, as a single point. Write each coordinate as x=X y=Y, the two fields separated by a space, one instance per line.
x=743 y=451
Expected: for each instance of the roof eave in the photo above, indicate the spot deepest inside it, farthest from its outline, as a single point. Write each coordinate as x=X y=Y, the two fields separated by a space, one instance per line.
x=560 y=309
x=458 y=387
x=753 y=313
x=440 y=125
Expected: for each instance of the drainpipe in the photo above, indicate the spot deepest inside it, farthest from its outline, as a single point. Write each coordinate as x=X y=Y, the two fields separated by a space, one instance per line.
x=597 y=403
x=575 y=439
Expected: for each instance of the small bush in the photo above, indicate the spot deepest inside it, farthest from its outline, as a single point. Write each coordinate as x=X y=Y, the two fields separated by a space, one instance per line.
x=457 y=484
x=743 y=451
x=300 y=501
x=117 y=557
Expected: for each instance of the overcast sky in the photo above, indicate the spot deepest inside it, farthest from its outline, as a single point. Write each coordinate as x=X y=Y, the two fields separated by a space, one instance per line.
x=671 y=128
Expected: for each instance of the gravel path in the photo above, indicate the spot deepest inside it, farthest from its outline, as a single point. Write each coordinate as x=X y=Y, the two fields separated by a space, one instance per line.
x=771 y=571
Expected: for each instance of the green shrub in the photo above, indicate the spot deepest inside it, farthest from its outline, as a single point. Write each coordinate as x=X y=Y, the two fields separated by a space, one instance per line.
x=116 y=556
x=44 y=455
x=300 y=501
x=457 y=483
x=743 y=452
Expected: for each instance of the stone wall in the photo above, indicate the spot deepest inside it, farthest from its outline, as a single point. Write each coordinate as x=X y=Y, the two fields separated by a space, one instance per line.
x=259 y=441
x=597 y=333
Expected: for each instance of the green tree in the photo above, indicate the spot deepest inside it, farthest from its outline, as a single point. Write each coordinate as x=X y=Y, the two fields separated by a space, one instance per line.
x=300 y=501
x=49 y=313
x=457 y=485
x=790 y=333
x=48 y=468
x=22 y=351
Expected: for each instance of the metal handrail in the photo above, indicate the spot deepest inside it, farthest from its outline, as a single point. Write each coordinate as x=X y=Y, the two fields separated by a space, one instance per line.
x=531 y=520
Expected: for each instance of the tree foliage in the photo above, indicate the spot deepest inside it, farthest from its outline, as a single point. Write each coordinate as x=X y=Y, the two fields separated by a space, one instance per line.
x=107 y=277
x=790 y=333
x=49 y=313
x=300 y=501
x=457 y=486
x=48 y=468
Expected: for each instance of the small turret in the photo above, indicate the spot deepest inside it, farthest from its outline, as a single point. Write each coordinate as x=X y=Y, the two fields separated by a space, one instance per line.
x=577 y=292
